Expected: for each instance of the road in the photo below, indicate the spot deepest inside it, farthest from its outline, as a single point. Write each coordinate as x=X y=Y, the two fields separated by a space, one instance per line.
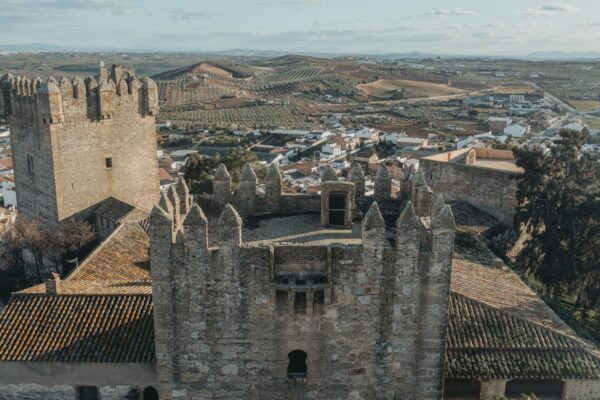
x=561 y=104
x=417 y=100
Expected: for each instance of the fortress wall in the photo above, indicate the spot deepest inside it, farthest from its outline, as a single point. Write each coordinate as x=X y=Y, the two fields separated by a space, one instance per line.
x=491 y=190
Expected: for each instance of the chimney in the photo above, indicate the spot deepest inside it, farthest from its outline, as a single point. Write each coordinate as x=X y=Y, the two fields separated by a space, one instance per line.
x=53 y=284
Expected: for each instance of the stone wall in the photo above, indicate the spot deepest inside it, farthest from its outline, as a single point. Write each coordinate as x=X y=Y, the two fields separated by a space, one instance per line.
x=62 y=134
x=579 y=389
x=57 y=381
x=491 y=190
x=63 y=392
x=371 y=318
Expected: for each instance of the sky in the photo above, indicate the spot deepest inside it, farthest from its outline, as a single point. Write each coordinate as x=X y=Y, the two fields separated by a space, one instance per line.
x=477 y=27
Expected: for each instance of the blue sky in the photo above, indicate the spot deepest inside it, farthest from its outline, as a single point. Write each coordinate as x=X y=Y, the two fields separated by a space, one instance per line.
x=506 y=27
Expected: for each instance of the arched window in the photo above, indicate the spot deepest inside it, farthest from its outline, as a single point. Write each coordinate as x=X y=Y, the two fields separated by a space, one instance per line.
x=297 y=365
x=150 y=393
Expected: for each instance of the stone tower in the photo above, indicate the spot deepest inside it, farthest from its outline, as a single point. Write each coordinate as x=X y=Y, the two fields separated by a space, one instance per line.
x=77 y=143
x=364 y=320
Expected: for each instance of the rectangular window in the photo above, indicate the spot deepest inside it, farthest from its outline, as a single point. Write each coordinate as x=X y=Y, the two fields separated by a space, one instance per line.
x=542 y=388
x=462 y=389
x=318 y=301
x=30 y=163
x=87 y=393
x=108 y=162
x=300 y=303
x=282 y=299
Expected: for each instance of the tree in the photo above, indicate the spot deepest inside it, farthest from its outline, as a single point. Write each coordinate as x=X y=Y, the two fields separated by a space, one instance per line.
x=30 y=250
x=199 y=169
x=559 y=209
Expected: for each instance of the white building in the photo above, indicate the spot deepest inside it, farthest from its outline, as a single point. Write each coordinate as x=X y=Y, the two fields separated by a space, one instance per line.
x=8 y=193
x=367 y=134
x=516 y=130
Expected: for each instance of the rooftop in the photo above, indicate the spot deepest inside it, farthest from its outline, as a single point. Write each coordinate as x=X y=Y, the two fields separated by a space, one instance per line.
x=498 y=327
x=500 y=160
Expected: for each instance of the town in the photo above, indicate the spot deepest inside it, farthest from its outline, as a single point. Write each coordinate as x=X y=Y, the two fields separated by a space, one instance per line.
x=261 y=224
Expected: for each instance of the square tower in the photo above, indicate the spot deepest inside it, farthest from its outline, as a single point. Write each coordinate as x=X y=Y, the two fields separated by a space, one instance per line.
x=76 y=143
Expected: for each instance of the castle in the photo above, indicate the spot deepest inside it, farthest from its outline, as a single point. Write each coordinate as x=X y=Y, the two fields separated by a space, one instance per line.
x=253 y=293
x=363 y=316
x=77 y=143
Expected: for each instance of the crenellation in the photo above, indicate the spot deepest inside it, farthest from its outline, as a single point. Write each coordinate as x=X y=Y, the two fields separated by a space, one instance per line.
x=273 y=184
x=244 y=304
x=383 y=184
x=64 y=132
x=245 y=198
x=424 y=198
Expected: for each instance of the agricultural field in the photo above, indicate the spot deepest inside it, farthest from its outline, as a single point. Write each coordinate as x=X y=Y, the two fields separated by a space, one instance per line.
x=264 y=117
x=585 y=105
x=412 y=89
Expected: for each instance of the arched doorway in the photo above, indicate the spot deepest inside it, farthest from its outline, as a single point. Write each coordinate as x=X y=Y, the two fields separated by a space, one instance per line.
x=150 y=393
x=297 y=365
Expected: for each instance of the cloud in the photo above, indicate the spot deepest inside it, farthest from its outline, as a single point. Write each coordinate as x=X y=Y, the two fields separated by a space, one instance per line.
x=191 y=14
x=551 y=9
x=271 y=3
x=457 y=12
x=17 y=11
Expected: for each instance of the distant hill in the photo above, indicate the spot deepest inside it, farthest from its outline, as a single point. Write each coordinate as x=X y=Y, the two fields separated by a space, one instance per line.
x=559 y=55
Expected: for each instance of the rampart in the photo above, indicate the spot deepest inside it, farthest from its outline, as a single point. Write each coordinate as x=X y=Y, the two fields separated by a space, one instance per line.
x=248 y=200
x=482 y=177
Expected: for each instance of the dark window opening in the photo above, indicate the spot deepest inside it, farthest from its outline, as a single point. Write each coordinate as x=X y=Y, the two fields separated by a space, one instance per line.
x=336 y=217
x=545 y=389
x=108 y=162
x=318 y=300
x=30 y=163
x=150 y=393
x=297 y=365
x=462 y=389
x=281 y=298
x=300 y=281
x=320 y=279
x=87 y=393
x=300 y=302
x=337 y=201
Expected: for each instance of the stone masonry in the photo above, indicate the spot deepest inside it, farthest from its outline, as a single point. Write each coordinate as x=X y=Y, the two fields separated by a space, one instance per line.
x=79 y=142
x=369 y=319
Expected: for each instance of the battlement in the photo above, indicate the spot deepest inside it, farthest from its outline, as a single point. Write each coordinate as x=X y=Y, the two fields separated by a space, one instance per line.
x=173 y=226
x=226 y=301
x=95 y=98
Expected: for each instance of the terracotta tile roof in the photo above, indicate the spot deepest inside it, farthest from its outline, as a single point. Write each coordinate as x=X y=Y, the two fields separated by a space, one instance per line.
x=521 y=364
x=120 y=265
x=116 y=210
x=70 y=328
x=503 y=290
x=489 y=344
x=498 y=327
